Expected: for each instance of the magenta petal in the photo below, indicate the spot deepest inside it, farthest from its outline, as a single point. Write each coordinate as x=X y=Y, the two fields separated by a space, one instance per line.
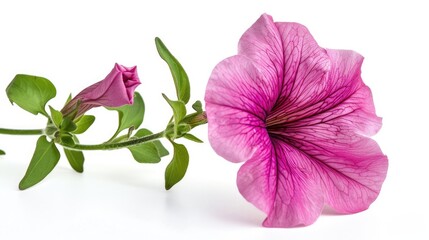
x=236 y=103
x=351 y=166
x=305 y=76
x=283 y=183
x=257 y=178
x=116 y=90
x=111 y=93
x=352 y=175
x=263 y=45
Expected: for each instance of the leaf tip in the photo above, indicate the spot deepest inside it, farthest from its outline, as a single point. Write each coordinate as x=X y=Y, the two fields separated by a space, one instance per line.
x=169 y=185
x=164 y=96
x=24 y=185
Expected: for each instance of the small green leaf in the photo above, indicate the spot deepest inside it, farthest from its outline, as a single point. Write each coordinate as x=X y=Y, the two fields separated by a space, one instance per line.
x=76 y=159
x=176 y=169
x=2 y=152
x=56 y=116
x=130 y=115
x=179 y=112
x=150 y=152
x=145 y=153
x=69 y=98
x=67 y=125
x=31 y=93
x=45 y=158
x=192 y=138
x=181 y=81
x=198 y=106
x=83 y=123
x=51 y=130
x=162 y=151
x=67 y=140
x=178 y=107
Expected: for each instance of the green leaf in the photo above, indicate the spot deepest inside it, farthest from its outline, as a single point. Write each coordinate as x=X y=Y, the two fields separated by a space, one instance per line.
x=45 y=158
x=56 y=116
x=198 y=106
x=130 y=115
x=67 y=140
x=181 y=81
x=176 y=169
x=145 y=153
x=150 y=152
x=162 y=151
x=192 y=138
x=31 y=93
x=179 y=109
x=83 y=123
x=67 y=125
x=76 y=159
x=69 y=98
x=2 y=152
x=179 y=112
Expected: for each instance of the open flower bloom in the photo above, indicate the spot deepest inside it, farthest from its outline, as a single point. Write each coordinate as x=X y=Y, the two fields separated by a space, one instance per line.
x=116 y=90
x=300 y=118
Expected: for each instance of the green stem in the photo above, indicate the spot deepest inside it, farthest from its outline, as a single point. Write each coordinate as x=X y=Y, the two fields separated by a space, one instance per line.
x=21 y=131
x=112 y=146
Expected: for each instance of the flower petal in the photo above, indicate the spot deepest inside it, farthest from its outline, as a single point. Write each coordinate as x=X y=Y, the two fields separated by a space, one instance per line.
x=257 y=177
x=351 y=166
x=116 y=90
x=236 y=102
x=305 y=75
x=283 y=183
x=112 y=93
x=263 y=45
x=98 y=89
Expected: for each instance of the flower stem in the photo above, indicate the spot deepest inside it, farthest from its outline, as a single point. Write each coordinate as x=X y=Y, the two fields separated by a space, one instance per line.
x=117 y=145
x=21 y=131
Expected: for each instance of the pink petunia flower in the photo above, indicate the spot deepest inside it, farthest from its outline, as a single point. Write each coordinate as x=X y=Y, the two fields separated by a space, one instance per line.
x=116 y=90
x=300 y=118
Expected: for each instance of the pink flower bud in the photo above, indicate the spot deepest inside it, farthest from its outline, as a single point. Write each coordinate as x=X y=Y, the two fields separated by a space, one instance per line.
x=116 y=90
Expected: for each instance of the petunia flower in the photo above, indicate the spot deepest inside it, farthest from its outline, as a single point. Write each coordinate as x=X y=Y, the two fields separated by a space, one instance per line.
x=300 y=118
x=116 y=90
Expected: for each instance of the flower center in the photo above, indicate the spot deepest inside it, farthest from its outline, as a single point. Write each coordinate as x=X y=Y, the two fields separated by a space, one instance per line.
x=276 y=120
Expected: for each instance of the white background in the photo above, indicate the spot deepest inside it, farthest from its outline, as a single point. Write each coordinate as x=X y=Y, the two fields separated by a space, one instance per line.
x=75 y=44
